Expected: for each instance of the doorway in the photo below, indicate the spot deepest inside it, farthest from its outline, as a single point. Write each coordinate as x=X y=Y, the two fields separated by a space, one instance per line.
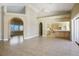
x=16 y=29
x=40 y=29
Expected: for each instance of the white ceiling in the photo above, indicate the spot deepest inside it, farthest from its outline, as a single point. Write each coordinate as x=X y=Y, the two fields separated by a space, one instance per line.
x=45 y=6
x=49 y=7
x=42 y=8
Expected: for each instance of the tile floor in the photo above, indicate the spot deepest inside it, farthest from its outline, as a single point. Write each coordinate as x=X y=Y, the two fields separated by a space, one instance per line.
x=38 y=46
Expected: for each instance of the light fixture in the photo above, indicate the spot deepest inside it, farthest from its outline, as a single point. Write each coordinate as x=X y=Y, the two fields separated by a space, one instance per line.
x=46 y=10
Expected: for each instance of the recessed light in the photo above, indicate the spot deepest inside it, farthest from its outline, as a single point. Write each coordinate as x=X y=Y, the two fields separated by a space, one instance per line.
x=46 y=10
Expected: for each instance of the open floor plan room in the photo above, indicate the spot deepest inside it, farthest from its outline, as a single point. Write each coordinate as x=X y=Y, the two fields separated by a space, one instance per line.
x=39 y=29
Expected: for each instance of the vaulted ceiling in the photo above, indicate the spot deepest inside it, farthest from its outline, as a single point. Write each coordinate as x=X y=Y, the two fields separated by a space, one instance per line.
x=43 y=8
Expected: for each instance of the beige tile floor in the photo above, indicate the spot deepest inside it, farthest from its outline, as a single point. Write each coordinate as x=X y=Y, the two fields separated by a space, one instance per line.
x=38 y=46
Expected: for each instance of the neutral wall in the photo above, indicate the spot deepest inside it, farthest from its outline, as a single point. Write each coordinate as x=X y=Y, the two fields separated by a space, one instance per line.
x=75 y=10
x=32 y=23
x=0 y=23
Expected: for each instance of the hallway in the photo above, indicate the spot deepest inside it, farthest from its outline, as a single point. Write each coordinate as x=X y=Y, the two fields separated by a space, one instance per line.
x=39 y=46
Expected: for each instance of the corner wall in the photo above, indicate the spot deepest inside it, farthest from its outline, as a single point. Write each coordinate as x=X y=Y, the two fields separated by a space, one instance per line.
x=32 y=23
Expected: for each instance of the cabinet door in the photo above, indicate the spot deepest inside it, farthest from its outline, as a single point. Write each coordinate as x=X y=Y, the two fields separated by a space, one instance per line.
x=67 y=35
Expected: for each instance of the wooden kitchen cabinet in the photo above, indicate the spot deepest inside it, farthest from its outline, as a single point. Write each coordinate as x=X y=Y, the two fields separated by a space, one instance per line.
x=62 y=34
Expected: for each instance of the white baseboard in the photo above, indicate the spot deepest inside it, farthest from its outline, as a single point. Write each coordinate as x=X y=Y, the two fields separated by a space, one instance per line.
x=5 y=39
x=0 y=39
x=29 y=37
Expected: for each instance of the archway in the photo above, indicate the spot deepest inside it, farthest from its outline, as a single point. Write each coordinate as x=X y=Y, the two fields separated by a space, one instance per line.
x=40 y=29
x=16 y=27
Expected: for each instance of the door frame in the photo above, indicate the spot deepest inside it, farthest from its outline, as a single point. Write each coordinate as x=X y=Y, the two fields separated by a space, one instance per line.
x=9 y=28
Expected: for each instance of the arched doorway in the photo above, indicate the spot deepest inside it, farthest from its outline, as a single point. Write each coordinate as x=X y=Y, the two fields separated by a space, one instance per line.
x=40 y=29
x=16 y=28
